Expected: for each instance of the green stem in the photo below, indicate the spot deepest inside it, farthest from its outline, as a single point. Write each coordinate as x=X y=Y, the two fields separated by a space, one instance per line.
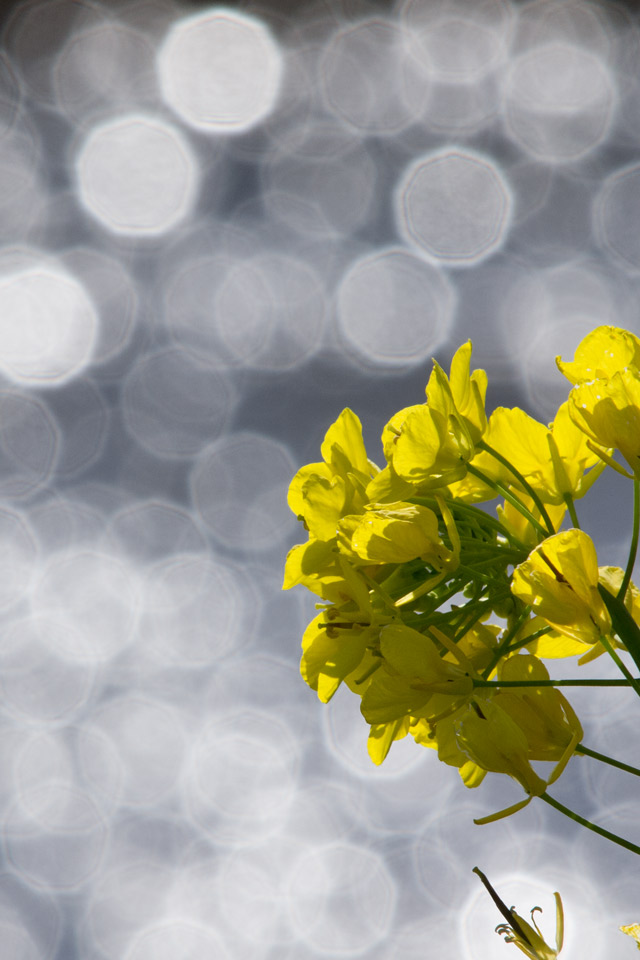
x=589 y=825
x=605 y=759
x=623 y=623
x=506 y=640
x=525 y=483
x=635 y=683
x=481 y=517
x=554 y=683
x=511 y=498
x=568 y=499
x=633 y=549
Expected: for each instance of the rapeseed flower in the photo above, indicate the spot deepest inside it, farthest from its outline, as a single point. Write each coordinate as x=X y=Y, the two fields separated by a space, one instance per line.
x=559 y=579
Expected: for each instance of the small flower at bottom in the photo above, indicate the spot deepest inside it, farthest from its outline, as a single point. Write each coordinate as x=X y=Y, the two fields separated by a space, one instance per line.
x=527 y=936
x=632 y=930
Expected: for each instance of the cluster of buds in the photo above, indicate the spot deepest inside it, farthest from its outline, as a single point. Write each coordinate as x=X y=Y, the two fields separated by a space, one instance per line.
x=439 y=613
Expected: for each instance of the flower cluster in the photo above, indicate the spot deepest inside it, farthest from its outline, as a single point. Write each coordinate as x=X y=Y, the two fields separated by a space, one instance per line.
x=439 y=613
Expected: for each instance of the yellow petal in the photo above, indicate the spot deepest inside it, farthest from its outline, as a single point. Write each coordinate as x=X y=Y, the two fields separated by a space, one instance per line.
x=608 y=412
x=600 y=354
x=343 y=447
x=559 y=579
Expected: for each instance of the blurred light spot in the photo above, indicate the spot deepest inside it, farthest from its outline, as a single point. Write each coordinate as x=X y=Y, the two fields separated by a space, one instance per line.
x=393 y=307
x=252 y=888
x=28 y=444
x=103 y=68
x=31 y=910
x=137 y=175
x=124 y=901
x=269 y=311
x=558 y=102
x=321 y=182
x=55 y=837
x=459 y=48
x=220 y=70
x=36 y=31
x=154 y=529
x=48 y=325
x=455 y=206
x=150 y=743
x=185 y=595
x=342 y=899
x=81 y=410
x=37 y=682
x=173 y=405
x=457 y=109
x=239 y=485
x=589 y=24
x=381 y=101
x=23 y=195
x=44 y=757
x=95 y=595
x=617 y=213
x=16 y=942
x=59 y=522
x=18 y=559
x=177 y=940
x=111 y=289
x=243 y=776
x=10 y=95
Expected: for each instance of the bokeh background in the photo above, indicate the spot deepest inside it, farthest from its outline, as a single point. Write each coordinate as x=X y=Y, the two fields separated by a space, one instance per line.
x=218 y=227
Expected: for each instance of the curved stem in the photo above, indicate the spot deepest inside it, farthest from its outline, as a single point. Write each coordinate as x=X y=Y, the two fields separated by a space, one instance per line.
x=589 y=825
x=580 y=748
x=635 y=683
x=511 y=498
x=623 y=624
x=633 y=548
x=568 y=499
x=525 y=483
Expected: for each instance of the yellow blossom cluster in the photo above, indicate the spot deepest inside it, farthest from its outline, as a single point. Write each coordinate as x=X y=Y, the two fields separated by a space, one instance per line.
x=438 y=612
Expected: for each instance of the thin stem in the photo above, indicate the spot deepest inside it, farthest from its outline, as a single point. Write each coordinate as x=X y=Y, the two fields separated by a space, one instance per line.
x=506 y=640
x=635 y=683
x=525 y=483
x=605 y=759
x=511 y=498
x=623 y=623
x=568 y=499
x=481 y=517
x=633 y=548
x=554 y=683
x=589 y=825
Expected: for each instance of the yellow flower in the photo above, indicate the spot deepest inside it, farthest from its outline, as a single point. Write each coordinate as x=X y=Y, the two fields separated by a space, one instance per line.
x=608 y=412
x=632 y=930
x=412 y=673
x=527 y=938
x=559 y=579
x=544 y=715
x=600 y=354
x=488 y=736
x=462 y=395
x=395 y=534
x=329 y=654
x=433 y=441
x=552 y=459
x=321 y=493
